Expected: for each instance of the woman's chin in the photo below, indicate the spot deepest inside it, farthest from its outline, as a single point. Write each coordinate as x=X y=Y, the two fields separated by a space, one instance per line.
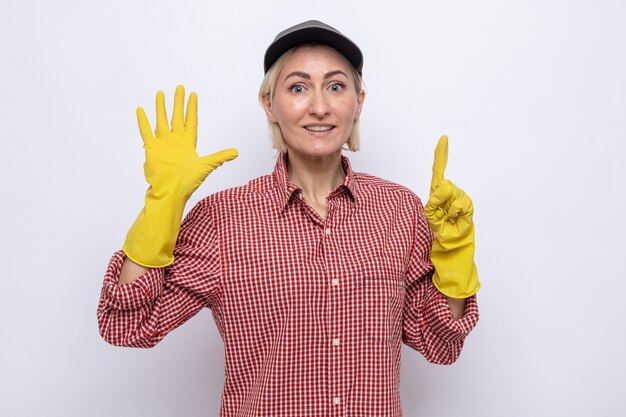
x=320 y=151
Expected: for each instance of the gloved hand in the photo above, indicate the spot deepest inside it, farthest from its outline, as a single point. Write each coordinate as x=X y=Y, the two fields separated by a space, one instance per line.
x=174 y=171
x=449 y=213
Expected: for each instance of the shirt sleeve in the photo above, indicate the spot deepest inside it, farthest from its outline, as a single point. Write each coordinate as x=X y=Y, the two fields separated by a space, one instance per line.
x=142 y=312
x=428 y=325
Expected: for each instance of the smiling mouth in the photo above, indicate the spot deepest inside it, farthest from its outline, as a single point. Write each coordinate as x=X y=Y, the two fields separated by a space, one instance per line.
x=319 y=128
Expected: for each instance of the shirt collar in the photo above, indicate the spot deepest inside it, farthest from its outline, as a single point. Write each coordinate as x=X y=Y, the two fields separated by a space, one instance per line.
x=287 y=189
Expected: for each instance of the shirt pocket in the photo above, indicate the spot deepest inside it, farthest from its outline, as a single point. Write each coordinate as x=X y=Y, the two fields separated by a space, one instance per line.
x=383 y=301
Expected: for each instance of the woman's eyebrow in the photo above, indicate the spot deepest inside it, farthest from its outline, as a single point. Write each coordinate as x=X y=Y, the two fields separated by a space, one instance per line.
x=333 y=73
x=299 y=74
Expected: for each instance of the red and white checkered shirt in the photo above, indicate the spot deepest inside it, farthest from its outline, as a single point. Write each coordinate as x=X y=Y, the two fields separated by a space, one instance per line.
x=312 y=311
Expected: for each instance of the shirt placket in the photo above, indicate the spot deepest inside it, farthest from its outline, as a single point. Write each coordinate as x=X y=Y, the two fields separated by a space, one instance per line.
x=336 y=403
x=336 y=287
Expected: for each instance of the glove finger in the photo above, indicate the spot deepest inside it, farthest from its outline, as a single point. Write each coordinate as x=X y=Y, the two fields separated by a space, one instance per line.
x=440 y=162
x=430 y=211
x=162 y=126
x=218 y=158
x=466 y=204
x=178 y=123
x=191 y=119
x=144 y=126
x=461 y=201
x=441 y=195
x=455 y=210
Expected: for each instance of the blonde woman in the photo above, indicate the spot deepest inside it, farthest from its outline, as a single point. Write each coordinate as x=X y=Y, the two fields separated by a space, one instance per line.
x=315 y=273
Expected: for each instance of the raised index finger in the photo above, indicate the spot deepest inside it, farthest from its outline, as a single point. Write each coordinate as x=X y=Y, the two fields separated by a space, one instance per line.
x=440 y=162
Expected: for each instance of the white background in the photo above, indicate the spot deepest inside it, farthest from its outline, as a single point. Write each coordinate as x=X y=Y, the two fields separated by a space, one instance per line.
x=531 y=93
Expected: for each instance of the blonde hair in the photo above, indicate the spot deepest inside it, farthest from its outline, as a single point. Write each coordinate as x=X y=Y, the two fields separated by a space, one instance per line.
x=268 y=86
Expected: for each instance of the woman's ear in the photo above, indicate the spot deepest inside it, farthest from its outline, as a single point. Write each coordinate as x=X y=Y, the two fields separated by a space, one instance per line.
x=267 y=106
x=359 y=104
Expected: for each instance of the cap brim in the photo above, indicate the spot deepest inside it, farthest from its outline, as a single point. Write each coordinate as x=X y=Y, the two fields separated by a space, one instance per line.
x=313 y=35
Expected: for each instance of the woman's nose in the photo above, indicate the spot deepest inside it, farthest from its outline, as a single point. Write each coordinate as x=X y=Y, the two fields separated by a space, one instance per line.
x=319 y=105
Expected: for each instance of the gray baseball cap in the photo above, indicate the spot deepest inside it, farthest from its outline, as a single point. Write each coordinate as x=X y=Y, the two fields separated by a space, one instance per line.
x=313 y=31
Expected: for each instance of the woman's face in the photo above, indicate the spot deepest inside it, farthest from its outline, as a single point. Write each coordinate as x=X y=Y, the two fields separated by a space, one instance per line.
x=315 y=102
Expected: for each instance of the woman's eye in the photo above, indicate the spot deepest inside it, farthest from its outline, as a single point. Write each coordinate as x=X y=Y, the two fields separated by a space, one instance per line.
x=336 y=87
x=297 y=89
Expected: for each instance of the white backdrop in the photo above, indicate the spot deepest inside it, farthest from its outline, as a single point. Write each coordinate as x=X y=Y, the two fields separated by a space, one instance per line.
x=531 y=93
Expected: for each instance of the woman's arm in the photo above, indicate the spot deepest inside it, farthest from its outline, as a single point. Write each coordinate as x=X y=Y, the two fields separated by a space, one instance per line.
x=432 y=326
x=138 y=309
x=131 y=271
x=457 y=305
x=144 y=298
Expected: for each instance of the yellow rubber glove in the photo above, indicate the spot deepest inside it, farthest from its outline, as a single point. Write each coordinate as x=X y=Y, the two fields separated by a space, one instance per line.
x=174 y=171
x=449 y=212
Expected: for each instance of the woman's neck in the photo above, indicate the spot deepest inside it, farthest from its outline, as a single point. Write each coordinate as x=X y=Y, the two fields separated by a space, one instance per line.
x=316 y=177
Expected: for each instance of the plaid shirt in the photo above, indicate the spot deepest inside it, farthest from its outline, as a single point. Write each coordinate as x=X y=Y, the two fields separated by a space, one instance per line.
x=312 y=310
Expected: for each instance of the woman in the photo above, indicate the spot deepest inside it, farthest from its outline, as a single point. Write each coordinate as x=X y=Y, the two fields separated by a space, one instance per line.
x=315 y=274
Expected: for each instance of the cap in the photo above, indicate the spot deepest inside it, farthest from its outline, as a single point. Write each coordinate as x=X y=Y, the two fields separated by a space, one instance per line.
x=313 y=31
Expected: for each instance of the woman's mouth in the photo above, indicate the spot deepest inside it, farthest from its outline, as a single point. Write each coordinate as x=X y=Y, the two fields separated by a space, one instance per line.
x=319 y=128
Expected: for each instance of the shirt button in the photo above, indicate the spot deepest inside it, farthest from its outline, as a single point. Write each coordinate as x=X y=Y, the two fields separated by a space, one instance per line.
x=336 y=401
x=301 y=196
x=327 y=231
x=335 y=281
x=335 y=342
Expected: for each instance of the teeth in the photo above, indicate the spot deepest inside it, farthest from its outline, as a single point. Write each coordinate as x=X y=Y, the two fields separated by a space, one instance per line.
x=319 y=128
